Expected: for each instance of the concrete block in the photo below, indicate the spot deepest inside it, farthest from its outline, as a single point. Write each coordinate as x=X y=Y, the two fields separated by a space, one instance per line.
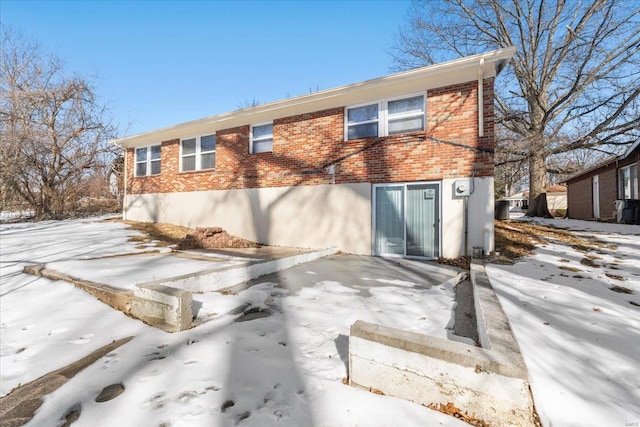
x=213 y=280
x=431 y=371
x=494 y=331
x=162 y=306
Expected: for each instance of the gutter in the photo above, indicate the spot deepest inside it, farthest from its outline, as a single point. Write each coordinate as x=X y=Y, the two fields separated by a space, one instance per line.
x=497 y=57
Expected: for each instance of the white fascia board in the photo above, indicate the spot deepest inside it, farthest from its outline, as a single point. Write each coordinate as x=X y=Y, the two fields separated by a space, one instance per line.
x=630 y=149
x=419 y=79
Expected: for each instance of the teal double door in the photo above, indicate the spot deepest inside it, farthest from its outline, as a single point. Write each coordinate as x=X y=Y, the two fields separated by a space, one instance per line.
x=407 y=220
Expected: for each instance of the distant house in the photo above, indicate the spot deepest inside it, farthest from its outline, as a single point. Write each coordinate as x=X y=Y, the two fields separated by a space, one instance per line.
x=400 y=165
x=591 y=194
x=556 y=200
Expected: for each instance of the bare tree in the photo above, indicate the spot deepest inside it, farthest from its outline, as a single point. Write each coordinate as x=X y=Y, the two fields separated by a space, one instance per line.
x=575 y=78
x=52 y=127
x=511 y=168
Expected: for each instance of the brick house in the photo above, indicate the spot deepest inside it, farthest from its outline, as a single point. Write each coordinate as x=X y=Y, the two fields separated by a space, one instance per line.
x=400 y=165
x=591 y=194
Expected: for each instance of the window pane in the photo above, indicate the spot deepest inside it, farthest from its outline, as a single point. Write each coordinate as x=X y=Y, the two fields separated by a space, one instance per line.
x=188 y=146
x=625 y=183
x=263 y=146
x=141 y=154
x=141 y=169
x=155 y=167
x=208 y=161
x=410 y=124
x=362 y=114
x=155 y=152
x=262 y=131
x=363 y=131
x=634 y=182
x=208 y=143
x=189 y=163
x=407 y=105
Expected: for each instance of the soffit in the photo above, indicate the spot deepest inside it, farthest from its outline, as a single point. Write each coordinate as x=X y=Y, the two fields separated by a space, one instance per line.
x=417 y=80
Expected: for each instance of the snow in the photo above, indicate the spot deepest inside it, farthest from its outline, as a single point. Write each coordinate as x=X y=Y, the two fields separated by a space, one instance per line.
x=580 y=340
x=126 y=272
x=283 y=369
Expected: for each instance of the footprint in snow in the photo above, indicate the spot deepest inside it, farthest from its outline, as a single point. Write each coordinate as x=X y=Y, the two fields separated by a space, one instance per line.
x=157 y=401
x=152 y=373
x=192 y=413
x=281 y=414
x=111 y=359
x=156 y=355
x=57 y=331
x=187 y=396
x=82 y=340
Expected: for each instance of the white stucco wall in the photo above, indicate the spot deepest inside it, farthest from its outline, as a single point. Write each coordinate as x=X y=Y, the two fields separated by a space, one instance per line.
x=306 y=216
x=480 y=217
x=311 y=216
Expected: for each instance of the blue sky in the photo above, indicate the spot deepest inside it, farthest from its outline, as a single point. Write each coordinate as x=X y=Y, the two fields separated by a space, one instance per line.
x=159 y=63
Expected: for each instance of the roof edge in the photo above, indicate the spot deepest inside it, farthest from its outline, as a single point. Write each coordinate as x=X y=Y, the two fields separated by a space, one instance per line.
x=499 y=58
x=606 y=162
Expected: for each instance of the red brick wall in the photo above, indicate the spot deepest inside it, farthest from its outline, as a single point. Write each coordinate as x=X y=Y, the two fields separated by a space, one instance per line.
x=304 y=144
x=608 y=184
x=580 y=194
x=580 y=199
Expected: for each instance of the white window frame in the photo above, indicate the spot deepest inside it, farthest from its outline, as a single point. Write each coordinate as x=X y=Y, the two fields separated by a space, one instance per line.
x=633 y=182
x=262 y=138
x=147 y=161
x=346 y=119
x=383 y=115
x=198 y=153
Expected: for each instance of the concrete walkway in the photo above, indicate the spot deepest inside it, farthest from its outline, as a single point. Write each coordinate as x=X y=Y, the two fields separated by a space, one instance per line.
x=361 y=273
x=358 y=272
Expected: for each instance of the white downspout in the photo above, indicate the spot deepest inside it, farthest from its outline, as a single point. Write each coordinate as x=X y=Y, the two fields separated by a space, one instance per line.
x=480 y=99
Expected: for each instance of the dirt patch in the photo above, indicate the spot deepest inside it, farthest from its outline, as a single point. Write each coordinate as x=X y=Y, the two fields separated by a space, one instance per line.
x=159 y=233
x=589 y=262
x=451 y=409
x=621 y=290
x=213 y=238
x=162 y=235
x=515 y=239
x=568 y=268
x=460 y=262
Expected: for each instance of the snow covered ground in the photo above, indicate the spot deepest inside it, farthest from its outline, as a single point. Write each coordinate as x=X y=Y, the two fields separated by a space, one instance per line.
x=579 y=338
x=283 y=369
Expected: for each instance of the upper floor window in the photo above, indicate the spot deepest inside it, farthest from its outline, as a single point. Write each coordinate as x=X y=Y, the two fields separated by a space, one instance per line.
x=362 y=122
x=387 y=117
x=628 y=182
x=198 y=153
x=261 y=138
x=148 y=160
x=405 y=115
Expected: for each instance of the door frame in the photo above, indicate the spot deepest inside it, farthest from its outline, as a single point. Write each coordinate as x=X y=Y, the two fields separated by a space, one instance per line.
x=595 y=192
x=404 y=186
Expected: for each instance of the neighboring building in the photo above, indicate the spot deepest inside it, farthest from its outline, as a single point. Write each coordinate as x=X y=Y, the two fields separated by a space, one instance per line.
x=592 y=193
x=556 y=200
x=383 y=167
